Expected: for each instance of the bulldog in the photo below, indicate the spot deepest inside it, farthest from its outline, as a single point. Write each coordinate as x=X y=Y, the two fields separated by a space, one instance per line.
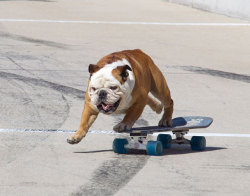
x=120 y=84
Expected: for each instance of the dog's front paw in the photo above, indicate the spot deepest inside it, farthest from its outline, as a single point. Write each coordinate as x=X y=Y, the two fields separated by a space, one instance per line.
x=72 y=140
x=165 y=123
x=75 y=139
x=122 y=127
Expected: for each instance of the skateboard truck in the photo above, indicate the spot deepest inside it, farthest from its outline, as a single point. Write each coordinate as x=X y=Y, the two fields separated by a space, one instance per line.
x=180 y=139
x=137 y=141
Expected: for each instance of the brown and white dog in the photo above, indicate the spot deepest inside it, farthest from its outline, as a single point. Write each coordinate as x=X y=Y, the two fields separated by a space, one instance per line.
x=120 y=83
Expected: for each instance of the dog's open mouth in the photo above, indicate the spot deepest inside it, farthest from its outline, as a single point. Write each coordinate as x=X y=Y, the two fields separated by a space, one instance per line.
x=108 y=108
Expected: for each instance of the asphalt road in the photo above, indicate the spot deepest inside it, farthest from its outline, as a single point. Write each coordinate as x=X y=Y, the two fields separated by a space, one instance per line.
x=45 y=50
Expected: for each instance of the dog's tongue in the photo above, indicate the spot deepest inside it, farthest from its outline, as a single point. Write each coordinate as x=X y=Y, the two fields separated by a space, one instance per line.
x=106 y=107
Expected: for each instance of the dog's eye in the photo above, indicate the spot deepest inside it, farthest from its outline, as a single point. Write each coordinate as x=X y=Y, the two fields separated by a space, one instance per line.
x=93 y=89
x=113 y=88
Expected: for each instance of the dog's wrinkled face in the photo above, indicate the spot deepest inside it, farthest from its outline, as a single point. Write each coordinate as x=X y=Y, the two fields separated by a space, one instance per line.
x=110 y=87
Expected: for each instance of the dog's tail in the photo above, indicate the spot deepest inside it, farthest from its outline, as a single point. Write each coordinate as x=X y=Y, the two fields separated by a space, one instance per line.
x=154 y=104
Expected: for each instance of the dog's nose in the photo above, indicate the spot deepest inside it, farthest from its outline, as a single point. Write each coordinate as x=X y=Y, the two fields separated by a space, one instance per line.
x=102 y=94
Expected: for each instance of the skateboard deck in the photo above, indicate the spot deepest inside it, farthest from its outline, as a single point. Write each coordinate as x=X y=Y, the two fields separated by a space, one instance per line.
x=179 y=124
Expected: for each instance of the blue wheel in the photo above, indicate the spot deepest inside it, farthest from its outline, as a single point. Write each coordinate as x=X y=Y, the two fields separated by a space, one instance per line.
x=154 y=148
x=165 y=139
x=118 y=145
x=198 y=143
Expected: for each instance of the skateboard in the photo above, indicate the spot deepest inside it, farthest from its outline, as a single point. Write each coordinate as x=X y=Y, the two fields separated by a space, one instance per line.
x=141 y=137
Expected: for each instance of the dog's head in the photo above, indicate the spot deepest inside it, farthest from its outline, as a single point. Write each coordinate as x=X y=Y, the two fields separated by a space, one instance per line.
x=110 y=86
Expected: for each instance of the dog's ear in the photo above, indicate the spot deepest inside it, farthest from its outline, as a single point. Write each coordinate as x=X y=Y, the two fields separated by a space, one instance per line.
x=93 y=68
x=123 y=71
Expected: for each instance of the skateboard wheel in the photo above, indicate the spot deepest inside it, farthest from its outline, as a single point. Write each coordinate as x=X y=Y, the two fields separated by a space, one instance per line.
x=118 y=145
x=154 y=148
x=198 y=143
x=165 y=139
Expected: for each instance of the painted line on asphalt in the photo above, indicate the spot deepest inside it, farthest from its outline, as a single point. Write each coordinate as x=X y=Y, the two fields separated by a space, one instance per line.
x=36 y=130
x=115 y=133
x=218 y=134
x=57 y=131
x=125 y=22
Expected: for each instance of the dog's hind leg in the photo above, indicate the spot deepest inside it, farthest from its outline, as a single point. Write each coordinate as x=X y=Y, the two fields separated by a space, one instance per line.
x=154 y=104
x=160 y=90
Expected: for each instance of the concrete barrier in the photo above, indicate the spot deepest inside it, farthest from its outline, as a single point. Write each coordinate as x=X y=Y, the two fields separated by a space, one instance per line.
x=233 y=8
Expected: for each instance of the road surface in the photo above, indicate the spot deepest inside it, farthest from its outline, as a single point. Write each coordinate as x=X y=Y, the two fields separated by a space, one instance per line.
x=45 y=49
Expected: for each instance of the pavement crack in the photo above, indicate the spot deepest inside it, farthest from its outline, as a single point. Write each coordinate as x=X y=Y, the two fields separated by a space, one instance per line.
x=67 y=110
x=30 y=100
x=18 y=65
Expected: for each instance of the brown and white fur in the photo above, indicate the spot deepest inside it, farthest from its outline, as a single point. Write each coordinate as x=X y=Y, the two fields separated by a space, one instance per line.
x=120 y=83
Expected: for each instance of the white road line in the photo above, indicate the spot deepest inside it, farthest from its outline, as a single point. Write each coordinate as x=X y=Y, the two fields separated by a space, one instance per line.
x=35 y=130
x=219 y=134
x=56 y=131
x=115 y=133
x=124 y=22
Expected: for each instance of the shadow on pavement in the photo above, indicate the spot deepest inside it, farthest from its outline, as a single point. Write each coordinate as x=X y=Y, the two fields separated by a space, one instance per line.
x=130 y=152
x=175 y=150
x=186 y=150
x=95 y=151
